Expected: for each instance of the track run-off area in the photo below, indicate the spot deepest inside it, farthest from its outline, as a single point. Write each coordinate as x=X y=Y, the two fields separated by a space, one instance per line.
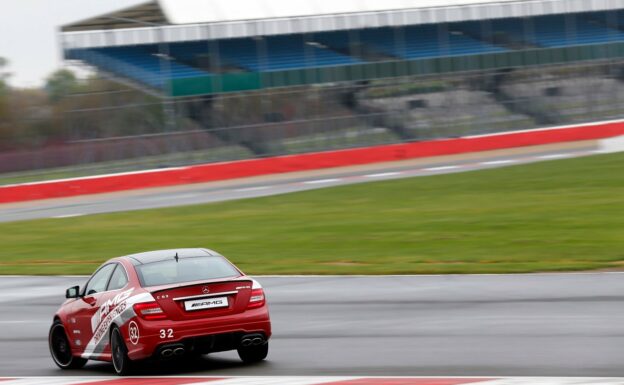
x=564 y=325
x=276 y=184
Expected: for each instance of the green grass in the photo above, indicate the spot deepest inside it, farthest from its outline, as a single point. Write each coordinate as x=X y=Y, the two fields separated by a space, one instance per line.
x=550 y=216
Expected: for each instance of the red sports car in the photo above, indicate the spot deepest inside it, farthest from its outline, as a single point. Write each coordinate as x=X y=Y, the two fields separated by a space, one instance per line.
x=161 y=305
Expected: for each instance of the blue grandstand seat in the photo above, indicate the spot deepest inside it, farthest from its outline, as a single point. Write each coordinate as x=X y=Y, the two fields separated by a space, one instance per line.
x=138 y=63
x=412 y=42
x=282 y=53
x=548 y=31
x=552 y=32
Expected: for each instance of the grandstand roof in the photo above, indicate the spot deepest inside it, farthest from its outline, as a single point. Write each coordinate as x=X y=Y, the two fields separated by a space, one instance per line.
x=217 y=11
x=187 y=20
x=141 y=15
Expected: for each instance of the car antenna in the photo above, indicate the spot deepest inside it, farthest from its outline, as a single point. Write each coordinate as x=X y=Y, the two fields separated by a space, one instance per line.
x=176 y=257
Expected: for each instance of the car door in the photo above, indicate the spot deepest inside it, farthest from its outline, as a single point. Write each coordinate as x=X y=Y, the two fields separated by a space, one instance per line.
x=87 y=308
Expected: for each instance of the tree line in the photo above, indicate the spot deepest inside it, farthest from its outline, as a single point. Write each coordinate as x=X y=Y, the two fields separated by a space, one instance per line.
x=68 y=109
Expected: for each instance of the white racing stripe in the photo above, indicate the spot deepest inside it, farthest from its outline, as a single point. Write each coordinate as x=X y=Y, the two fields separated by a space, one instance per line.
x=117 y=312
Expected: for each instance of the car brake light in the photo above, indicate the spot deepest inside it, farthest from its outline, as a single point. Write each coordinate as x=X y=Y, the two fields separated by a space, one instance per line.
x=149 y=311
x=256 y=299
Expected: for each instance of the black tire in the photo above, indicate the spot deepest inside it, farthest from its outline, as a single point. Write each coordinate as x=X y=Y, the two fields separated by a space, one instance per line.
x=60 y=349
x=252 y=354
x=122 y=364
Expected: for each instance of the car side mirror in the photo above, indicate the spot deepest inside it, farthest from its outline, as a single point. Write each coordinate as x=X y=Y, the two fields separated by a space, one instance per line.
x=73 y=292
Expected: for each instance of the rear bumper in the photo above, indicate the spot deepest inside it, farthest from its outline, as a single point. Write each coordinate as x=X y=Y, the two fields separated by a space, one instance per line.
x=205 y=344
x=202 y=336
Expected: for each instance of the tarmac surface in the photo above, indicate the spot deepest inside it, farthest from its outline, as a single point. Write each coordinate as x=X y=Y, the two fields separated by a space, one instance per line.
x=286 y=183
x=473 y=325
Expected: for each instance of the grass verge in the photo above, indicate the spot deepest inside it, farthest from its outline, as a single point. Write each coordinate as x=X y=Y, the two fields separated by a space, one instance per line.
x=552 y=216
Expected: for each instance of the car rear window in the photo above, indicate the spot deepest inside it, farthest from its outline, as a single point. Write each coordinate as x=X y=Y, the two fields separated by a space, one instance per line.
x=185 y=270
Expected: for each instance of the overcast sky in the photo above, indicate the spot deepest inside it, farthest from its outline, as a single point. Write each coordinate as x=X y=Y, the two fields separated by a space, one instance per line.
x=28 y=30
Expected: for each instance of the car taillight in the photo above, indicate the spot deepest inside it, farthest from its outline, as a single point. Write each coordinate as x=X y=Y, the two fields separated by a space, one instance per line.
x=256 y=299
x=149 y=311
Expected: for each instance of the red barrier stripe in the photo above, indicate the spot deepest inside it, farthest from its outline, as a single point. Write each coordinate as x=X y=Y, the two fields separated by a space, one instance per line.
x=409 y=381
x=305 y=162
x=154 y=381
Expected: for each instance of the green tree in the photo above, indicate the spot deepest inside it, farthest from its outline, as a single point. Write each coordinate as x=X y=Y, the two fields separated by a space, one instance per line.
x=3 y=76
x=5 y=115
x=60 y=84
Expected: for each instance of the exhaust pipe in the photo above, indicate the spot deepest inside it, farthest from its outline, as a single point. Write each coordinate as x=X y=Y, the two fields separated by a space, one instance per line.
x=179 y=351
x=255 y=339
x=166 y=353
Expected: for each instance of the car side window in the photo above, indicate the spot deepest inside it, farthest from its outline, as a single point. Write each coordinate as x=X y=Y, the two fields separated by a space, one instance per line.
x=118 y=279
x=99 y=280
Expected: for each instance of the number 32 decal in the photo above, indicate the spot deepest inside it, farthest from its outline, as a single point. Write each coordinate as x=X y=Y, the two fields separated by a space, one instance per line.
x=166 y=333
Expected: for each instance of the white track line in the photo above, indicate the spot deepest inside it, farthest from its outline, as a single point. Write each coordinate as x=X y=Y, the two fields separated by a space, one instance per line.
x=499 y=162
x=554 y=156
x=442 y=168
x=172 y=197
x=383 y=174
x=68 y=216
x=321 y=181
x=80 y=178
x=248 y=189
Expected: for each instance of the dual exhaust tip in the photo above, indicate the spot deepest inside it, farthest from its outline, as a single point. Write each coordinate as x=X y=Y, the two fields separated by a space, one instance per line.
x=172 y=352
x=255 y=341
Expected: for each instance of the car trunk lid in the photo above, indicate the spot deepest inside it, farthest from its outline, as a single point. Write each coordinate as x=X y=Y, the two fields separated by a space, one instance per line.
x=204 y=299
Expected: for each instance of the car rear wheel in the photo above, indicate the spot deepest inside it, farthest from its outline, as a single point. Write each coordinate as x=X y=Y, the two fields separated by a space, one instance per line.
x=251 y=354
x=121 y=362
x=61 y=349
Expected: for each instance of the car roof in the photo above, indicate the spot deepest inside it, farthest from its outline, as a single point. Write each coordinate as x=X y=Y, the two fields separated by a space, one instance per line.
x=162 y=255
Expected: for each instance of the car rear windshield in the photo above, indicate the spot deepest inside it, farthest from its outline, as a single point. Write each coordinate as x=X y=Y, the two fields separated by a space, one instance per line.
x=185 y=270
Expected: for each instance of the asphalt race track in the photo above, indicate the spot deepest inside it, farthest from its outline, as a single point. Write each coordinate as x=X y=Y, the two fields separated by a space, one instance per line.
x=285 y=183
x=494 y=325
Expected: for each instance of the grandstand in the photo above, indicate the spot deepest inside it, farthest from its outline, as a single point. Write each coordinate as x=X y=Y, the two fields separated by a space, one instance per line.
x=276 y=77
x=231 y=54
